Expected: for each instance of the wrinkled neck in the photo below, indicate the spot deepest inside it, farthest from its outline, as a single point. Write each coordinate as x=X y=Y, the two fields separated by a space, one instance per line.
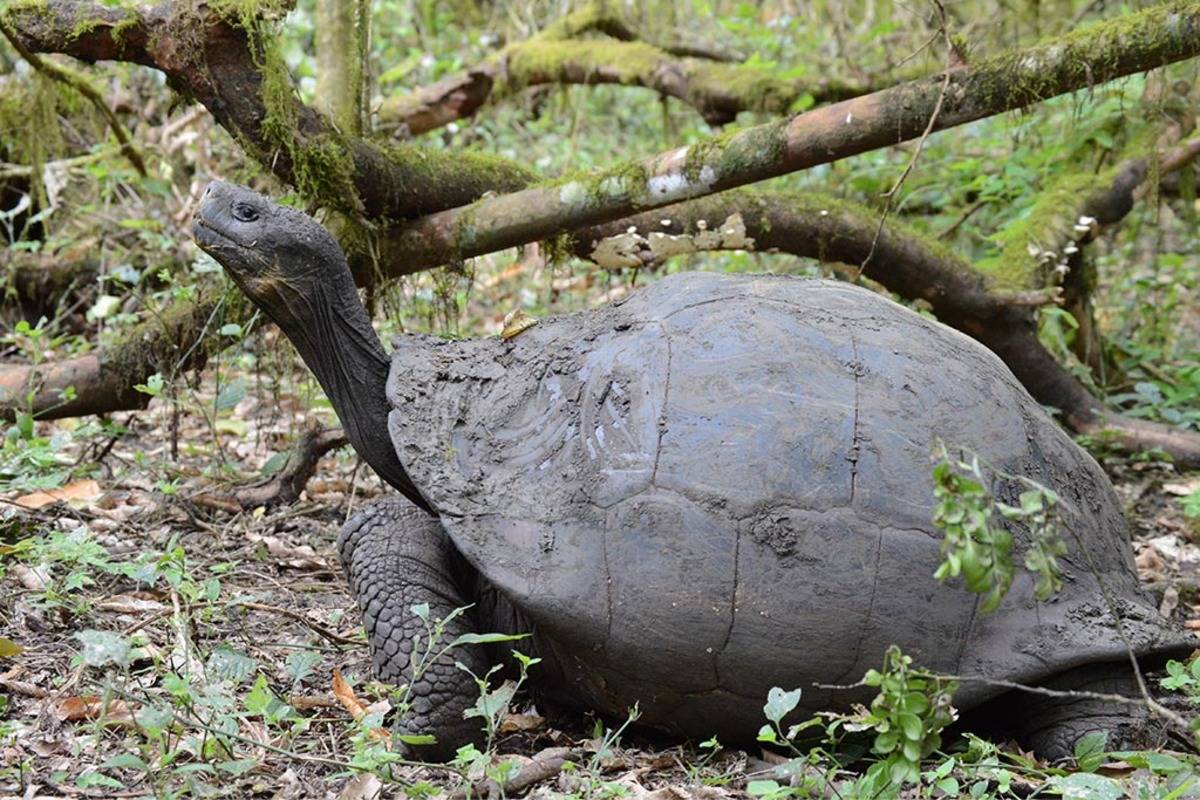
x=331 y=331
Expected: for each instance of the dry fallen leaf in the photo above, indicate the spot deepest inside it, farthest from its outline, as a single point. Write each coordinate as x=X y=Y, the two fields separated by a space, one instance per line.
x=294 y=556
x=1149 y=561
x=364 y=786
x=32 y=578
x=79 y=493
x=302 y=702
x=9 y=648
x=135 y=603
x=90 y=706
x=1170 y=601
x=1182 y=488
x=521 y=722
x=345 y=695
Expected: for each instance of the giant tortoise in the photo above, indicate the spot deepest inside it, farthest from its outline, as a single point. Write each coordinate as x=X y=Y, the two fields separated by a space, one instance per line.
x=713 y=486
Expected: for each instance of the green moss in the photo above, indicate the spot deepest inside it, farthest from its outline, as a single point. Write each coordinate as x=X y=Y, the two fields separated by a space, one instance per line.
x=1031 y=245
x=1045 y=229
x=638 y=64
x=1084 y=57
x=587 y=17
x=85 y=25
x=737 y=152
x=630 y=63
x=40 y=8
x=32 y=105
x=124 y=26
x=322 y=165
x=156 y=343
x=754 y=89
x=468 y=174
x=626 y=182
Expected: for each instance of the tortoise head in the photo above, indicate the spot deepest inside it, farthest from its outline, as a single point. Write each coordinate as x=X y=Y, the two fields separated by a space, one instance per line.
x=279 y=256
x=294 y=270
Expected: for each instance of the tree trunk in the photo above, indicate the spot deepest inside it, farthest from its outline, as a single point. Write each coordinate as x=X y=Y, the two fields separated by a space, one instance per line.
x=342 y=31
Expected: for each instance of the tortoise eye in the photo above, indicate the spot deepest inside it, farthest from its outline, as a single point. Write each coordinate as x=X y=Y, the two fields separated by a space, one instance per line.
x=244 y=212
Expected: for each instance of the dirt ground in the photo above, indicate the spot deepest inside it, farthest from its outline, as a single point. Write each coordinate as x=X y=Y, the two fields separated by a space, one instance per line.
x=267 y=587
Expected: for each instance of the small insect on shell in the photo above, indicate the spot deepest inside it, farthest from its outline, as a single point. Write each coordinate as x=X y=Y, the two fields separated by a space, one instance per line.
x=516 y=321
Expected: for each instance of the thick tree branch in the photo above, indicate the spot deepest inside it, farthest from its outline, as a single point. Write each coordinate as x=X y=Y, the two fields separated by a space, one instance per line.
x=717 y=90
x=1099 y=53
x=243 y=82
x=172 y=341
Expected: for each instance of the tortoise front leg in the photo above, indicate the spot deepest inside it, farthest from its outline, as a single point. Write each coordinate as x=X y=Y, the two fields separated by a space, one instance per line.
x=397 y=556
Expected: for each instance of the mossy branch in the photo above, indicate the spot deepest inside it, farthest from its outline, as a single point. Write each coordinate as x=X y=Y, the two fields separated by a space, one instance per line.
x=169 y=342
x=555 y=56
x=226 y=58
x=1083 y=58
x=78 y=82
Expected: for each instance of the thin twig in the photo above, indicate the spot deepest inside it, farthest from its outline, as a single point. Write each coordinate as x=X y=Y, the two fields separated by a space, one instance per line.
x=890 y=195
x=287 y=612
x=316 y=627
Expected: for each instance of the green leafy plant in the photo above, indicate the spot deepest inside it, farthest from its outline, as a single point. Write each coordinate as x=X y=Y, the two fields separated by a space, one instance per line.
x=978 y=549
x=908 y=715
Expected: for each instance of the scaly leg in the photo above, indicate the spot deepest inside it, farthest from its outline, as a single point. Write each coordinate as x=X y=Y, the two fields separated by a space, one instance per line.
x=396 y=556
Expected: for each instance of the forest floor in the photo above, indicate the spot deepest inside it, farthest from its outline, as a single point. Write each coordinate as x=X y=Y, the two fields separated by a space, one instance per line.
x=152 y=615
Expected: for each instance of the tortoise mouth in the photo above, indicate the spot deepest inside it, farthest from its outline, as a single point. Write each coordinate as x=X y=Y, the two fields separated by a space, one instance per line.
x=210 y=239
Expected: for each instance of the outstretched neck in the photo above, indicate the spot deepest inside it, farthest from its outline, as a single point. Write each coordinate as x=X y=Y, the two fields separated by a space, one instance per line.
x=333 y=335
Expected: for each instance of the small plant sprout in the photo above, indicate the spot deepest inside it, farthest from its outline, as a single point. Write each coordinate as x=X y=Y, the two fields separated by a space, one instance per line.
x=431 y=647
x=908 y=715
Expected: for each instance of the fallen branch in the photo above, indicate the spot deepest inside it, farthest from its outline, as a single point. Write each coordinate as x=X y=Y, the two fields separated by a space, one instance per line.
x=285 y=486
x=1099 y=53
x=169 y=342
x=542 y=766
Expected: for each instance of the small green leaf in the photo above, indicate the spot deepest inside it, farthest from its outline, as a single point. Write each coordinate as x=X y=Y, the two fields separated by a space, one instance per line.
x=487 y=638
x=762 y=788
x=1085 y=786
x=780 y=703
x=9 y=648
x=416 y=738
x=238 y=767
x=126 y=761
x=231 y=394
x=948 y=787
x=232 y=665
x=767 y=734
x=1089 y=750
